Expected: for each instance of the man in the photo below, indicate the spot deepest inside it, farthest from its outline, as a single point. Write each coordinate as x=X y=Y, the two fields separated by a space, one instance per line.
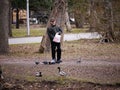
x=55 y=46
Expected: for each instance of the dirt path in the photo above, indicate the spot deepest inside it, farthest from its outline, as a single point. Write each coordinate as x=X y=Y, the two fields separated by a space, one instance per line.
x=97 y=71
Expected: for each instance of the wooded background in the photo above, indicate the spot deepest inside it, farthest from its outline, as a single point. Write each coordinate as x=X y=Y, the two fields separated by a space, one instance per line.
x=102 y=16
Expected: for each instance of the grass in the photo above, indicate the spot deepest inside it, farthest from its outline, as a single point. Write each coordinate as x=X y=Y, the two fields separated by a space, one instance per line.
x=78 y=30
x=91 y=49
x=72 y=50
x=30 y=78
x=22 y=32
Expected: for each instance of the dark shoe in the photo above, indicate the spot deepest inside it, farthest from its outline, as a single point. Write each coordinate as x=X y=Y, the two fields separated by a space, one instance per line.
x=45 y=62
x=52 y=63
x=58 y=61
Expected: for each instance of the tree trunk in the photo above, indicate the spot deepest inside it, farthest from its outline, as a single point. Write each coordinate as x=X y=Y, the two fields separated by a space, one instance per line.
x=4 y=9
x=92 y=19
x=101 y=19
x=17 y=18
x=79 y=19
x=116 y=18
x=108 y=15
x=67 y=19
x=58 y=12
x=10 y=19
x=12 y=16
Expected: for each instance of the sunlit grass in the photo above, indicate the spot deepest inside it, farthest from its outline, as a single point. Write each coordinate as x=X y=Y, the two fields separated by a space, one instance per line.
x=22 y=32
x=71 y=50
x=77 y=30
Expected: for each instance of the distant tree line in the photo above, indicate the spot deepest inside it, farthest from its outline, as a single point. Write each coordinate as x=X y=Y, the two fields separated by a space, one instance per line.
x=101 y=16
x=34 y=5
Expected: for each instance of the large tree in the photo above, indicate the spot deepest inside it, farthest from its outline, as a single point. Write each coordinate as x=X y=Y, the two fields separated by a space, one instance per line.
x=108 y=14
x=116 y=19
x=79 y=8
x=101 y=18
x=4 y=15
x=10 y=19
x=58 y=12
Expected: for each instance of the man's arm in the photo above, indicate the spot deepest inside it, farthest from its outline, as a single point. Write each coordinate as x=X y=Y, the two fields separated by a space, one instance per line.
x=50 y=34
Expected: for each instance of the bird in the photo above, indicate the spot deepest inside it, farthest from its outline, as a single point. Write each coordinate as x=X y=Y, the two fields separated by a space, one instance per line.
x=79 y=61
x=38 y=74
x=45 y=62
x=37 y=62
x=61 y=73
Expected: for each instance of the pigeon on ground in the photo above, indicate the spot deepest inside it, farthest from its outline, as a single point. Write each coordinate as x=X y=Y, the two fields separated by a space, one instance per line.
x=79 y=61
x=37 y=62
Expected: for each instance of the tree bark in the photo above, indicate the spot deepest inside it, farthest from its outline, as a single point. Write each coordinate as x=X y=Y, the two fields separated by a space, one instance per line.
x=58 y=12
x=116 y=18
x=92 y=19
x=10 y=19
x=17 y=18
x=4 y=9
x=108 y=15
x=67 y=19
x=79 y=19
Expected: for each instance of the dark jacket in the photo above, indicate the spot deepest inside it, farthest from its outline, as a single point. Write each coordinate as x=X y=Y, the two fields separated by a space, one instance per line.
x=52 y=31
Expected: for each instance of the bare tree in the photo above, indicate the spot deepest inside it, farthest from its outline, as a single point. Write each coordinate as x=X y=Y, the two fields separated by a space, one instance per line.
x=4 y=9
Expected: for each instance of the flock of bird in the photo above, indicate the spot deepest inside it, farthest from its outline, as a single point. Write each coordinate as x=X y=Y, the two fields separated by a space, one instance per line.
x=39 y=74
x=60 y=72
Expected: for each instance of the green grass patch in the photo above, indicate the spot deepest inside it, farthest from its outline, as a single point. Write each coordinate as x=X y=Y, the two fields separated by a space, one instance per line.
x=30 y=78
x=78 y=30
x=22 y=32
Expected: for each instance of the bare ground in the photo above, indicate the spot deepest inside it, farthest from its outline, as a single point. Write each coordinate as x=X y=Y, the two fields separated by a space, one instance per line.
x=89 y=66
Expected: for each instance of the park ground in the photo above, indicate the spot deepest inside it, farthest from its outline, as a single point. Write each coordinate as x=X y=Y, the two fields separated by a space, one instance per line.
x=89 y=65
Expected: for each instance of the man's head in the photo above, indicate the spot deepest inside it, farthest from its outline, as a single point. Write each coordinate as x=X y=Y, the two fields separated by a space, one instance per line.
x=52 y=21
